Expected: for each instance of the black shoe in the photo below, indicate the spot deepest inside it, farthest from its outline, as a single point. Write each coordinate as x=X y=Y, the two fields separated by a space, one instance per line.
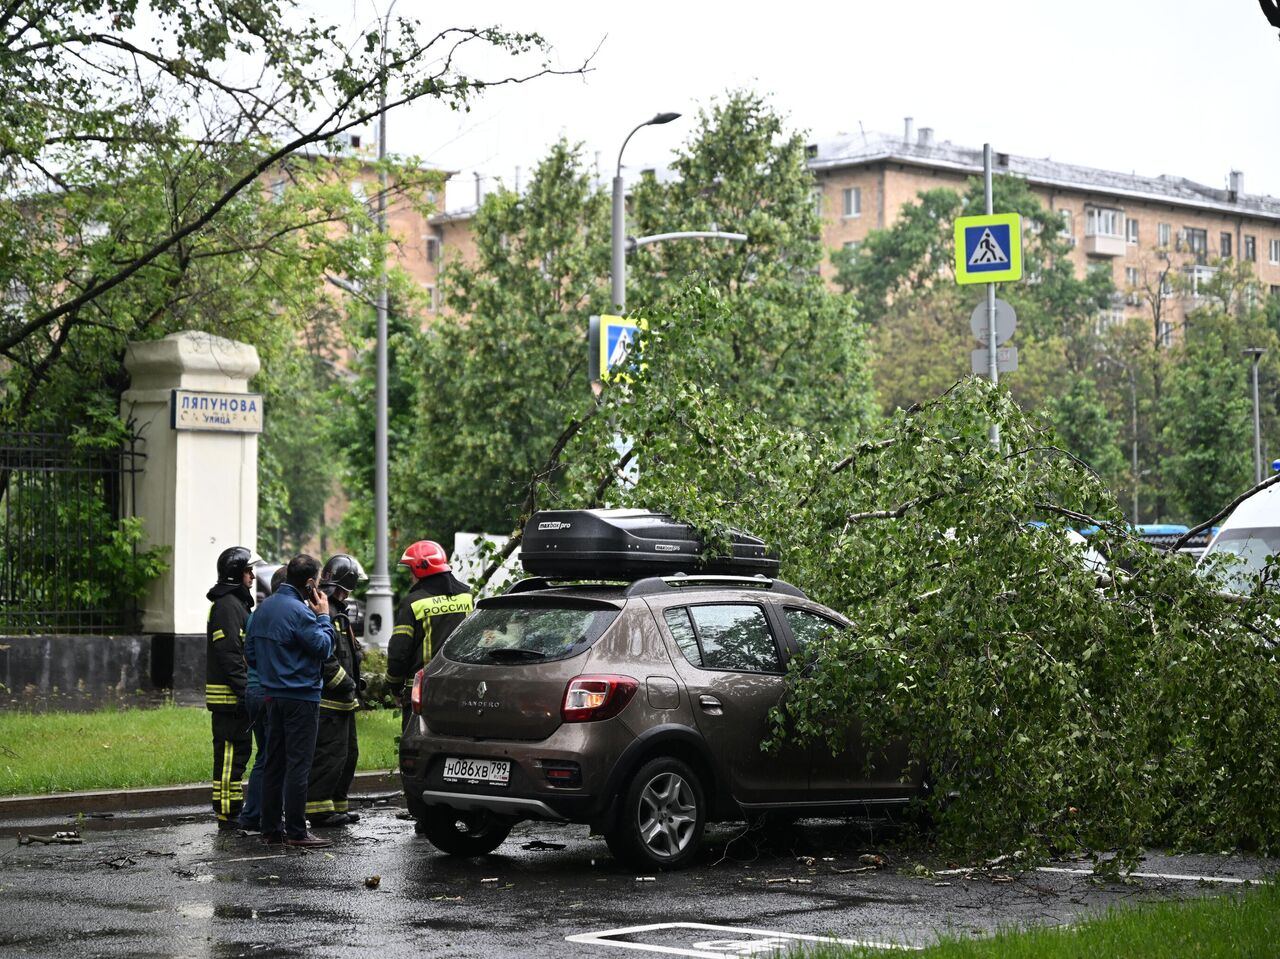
x=308 y=841
x=352 y=817
x=227 y=825
x=325 y=819
x=272 y=838
x=249 y=829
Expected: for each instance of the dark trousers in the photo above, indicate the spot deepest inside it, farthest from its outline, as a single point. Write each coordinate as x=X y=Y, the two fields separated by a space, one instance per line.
x=232 y=743
x=291 y=745
x=335 y=763
x=251 y=811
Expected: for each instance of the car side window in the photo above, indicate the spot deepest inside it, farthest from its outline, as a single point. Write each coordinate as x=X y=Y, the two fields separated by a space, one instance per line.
x=682 y=630
x=735 y=637
x=809 y=627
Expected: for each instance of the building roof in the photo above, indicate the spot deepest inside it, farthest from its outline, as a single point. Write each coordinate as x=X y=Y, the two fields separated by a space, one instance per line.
x=924 y=152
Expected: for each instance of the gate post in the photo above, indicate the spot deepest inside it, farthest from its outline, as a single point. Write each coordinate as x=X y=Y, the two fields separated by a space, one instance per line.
x=197 y=492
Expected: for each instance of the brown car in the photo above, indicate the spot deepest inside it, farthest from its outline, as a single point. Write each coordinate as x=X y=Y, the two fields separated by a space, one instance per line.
x=636 y=708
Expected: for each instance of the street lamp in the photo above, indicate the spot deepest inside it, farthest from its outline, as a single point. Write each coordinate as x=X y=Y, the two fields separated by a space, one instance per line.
x=378 y=600
x=618 y=250
x=1256 y=353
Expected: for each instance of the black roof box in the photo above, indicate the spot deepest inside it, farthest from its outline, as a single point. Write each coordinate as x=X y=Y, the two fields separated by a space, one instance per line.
x=630 y=544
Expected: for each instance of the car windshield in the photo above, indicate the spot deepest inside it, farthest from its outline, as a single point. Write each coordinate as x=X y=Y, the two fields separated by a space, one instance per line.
x=526 y=634
x=1244 y=553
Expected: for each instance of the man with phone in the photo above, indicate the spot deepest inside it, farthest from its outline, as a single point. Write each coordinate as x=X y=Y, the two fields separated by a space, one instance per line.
x=289 y=638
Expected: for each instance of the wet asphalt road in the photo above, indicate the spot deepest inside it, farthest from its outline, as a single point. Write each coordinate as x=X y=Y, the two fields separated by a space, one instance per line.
x=182 y=889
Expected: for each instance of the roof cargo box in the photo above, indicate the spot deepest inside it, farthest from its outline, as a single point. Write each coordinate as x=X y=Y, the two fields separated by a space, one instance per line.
x=630 y=544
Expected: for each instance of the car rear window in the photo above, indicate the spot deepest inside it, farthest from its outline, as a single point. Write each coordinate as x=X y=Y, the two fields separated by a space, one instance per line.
x=526 y=634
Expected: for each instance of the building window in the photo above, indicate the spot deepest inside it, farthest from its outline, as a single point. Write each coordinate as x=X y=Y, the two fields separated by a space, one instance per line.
x=1273 y=251
x=817 y=202
x=1197 y=241
x=433 y=299
x=1131 y=231
x=1275 y=290
x=1106 y=318
x=853 y=201
x=1131 y=280
x=1199 y=275
x=1224 y=246
x=432 y=243
x=1166 y=286
x=278 y=185
x=1166 y=333
x=1101 y=222
x=1162 y=234
x=851 y=245
x=1067 y=231
x=1251 y=248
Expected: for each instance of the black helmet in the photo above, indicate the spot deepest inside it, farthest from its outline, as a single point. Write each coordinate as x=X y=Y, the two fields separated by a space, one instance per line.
x=342 y=571
x=233 y=562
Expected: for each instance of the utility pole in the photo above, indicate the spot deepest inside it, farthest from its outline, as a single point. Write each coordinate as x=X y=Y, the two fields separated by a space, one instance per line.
x=1256 y=353
x=993 y=366
x=379 y=612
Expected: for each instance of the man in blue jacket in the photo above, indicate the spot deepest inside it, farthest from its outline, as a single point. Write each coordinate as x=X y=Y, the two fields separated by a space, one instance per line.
x=288 y=640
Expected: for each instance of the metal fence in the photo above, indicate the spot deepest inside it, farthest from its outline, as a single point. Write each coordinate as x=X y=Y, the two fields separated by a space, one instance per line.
x=60 y=510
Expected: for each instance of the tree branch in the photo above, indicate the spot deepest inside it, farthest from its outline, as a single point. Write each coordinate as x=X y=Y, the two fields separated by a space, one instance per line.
x=1182 y=540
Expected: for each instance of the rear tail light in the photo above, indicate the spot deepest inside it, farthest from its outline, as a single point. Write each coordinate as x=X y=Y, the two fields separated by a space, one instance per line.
x=564 y=774
x=591 y=698
x=415 y=697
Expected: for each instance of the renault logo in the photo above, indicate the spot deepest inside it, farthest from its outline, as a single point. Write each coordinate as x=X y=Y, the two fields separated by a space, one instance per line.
x=481 y=688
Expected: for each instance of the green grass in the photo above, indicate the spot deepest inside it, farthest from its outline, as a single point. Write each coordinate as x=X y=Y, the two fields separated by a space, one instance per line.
x=120 y=749
x=1244 y=925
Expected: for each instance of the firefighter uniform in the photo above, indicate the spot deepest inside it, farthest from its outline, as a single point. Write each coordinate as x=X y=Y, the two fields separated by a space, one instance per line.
x=337 y=751
x=426 y=616
x=225 y=680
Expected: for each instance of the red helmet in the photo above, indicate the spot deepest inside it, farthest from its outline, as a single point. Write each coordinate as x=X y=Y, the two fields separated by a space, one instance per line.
x=425 y=557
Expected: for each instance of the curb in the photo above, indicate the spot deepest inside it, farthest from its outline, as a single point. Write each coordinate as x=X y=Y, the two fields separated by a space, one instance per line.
x=151 y=797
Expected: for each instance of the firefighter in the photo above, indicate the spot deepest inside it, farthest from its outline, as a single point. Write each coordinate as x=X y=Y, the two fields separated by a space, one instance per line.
x=429 y=612
x=336 y=748
x=225 y=680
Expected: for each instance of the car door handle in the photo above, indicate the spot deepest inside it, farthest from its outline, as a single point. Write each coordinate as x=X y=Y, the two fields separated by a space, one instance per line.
x=710 y=705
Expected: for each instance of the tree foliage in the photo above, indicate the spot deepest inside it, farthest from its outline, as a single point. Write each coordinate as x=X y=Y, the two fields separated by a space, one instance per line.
x=501 y=376
x=1050 y=712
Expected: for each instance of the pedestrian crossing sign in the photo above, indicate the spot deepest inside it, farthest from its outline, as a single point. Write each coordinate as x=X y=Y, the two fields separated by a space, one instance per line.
x=989 y=248
x=616 y=341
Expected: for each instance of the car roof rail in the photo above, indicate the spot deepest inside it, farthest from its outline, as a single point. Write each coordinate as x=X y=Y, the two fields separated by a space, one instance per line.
x=532 y=583
x=664 y=584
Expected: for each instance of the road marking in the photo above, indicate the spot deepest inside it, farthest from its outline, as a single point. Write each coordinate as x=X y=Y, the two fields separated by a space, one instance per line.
x=1062 y=870
x=764 y=942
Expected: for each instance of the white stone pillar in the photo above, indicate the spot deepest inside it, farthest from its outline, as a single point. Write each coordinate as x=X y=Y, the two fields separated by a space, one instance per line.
x=198 y=490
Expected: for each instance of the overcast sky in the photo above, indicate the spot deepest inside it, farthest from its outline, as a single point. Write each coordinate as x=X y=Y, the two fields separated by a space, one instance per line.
x=1185 y=87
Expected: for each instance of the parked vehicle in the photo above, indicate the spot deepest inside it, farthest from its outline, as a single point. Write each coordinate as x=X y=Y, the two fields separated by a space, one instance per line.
x=637 y=707
x=1248 y=536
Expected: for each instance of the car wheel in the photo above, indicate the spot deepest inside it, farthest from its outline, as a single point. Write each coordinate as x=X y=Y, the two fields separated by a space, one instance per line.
x=662 y=817
x=463 y=833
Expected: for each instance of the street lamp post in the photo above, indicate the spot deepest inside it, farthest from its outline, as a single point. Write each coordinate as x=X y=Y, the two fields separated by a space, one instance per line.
x=618 y=239
x=379 y=610
x=1256 y=353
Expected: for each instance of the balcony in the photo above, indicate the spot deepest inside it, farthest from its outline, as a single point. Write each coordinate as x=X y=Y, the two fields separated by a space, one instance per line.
x=1104 y=244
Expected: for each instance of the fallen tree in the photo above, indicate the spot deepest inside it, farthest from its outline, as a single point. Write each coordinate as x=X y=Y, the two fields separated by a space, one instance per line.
x=1053 y=709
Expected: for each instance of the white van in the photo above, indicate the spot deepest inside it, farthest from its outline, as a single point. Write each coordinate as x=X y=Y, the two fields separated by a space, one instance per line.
x=1250 y=534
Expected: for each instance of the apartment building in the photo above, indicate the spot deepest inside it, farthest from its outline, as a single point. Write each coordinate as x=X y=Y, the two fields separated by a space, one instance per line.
x=1132 y=227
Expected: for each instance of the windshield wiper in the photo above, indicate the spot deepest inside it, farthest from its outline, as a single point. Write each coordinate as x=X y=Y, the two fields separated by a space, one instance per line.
x=512 y=652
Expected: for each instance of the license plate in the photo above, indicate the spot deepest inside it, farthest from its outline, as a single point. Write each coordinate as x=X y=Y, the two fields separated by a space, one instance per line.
x=495 y=772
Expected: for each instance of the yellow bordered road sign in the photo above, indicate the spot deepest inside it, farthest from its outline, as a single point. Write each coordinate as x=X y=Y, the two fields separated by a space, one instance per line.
x=989 y=248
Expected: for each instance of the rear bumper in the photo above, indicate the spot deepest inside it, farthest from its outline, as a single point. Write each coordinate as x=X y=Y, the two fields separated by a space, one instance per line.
x=513 y=806
x=594 y=747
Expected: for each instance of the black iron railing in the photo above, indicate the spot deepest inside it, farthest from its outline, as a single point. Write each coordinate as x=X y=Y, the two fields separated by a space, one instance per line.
x=61 y=507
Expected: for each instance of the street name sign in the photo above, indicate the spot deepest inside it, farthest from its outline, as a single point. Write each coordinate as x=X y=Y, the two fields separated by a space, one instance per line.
x=989 y=248
x=218 y=412
x=1006 y=322
x=1006 y=360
